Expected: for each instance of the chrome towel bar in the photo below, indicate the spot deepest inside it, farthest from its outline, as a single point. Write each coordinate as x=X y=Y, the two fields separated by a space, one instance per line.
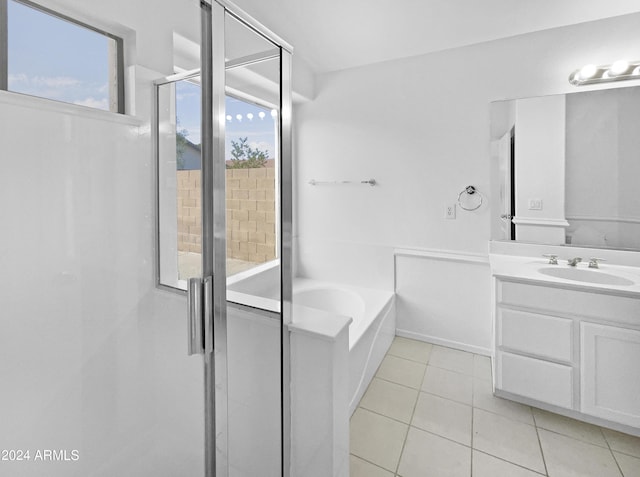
x=371 y=182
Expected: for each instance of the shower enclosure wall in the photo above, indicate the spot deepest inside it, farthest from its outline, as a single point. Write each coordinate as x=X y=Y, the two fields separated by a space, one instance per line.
x=97 y=379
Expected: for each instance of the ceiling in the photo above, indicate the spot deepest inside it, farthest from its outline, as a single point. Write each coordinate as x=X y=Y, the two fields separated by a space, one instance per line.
x=333 y=35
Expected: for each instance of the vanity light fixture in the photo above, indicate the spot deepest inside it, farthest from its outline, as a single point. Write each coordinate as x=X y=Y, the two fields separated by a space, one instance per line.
x=618 y=71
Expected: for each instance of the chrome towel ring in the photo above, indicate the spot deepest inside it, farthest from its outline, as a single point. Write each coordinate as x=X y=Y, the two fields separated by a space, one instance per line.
x=472 y=192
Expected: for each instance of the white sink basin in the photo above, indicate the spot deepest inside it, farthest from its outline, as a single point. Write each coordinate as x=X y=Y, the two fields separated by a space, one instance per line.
x=586 y=276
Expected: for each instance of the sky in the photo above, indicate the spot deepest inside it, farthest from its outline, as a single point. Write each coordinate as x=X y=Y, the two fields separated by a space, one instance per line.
x=242 y=119
x=35 y=64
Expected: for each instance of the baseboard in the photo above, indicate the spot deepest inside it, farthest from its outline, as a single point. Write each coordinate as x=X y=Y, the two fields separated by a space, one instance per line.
x=597 y=421
x=444 y=342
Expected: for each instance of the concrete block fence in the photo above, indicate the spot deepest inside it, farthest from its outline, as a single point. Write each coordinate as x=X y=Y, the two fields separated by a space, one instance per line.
x=251 y=213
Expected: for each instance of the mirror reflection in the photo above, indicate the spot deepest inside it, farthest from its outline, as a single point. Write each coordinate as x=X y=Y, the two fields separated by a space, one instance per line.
x=565 y=169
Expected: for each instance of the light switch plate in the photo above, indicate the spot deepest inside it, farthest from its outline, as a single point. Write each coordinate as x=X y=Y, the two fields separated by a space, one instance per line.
x=535 y=204
x=450 y=211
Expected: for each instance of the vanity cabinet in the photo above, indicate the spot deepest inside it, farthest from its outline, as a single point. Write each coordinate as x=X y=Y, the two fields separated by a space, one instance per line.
x=563 y=347
x=610 y=371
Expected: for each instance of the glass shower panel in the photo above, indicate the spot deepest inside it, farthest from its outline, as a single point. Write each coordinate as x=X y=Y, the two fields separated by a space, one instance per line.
x=180 y=181
x=252 y=155
x=96 y=380
x=252 y=149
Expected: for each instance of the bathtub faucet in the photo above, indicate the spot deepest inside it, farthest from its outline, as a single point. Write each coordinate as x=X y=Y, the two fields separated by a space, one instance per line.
x=572 y=262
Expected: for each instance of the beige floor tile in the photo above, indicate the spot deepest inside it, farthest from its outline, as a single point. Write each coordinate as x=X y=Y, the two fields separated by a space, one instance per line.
x=452 y=359
x=483 y=398
x=448 y=384
x=444 y=417
x=569 y=427
x=410 y=349
x=482 y=367
x=376 y=438
x=507 y=439
x=426 y=454
x=567 y=457
x=390 y=399
x=401 y=371
x=623 y=442
x=485 y=465
x=630 y=465
x=362 y=468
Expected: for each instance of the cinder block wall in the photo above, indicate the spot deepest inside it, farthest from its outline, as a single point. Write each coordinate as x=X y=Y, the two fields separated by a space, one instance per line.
x=189 y=217
x=251 y=213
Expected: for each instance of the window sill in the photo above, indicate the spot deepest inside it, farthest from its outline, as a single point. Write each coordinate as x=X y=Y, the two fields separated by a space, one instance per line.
x=50 y=105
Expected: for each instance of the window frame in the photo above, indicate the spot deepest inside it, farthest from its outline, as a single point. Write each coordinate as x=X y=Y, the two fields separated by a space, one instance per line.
x=4 y=49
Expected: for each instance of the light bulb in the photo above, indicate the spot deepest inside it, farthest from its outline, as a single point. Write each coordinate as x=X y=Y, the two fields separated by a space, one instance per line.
x=588 y=72
x=229 y=118
x=274 y=113
x=620 y=67
x=239 y=117
x=261 y=115
x=250 y=116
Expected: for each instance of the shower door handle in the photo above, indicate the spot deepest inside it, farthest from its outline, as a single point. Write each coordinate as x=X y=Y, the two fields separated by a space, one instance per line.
x=195 y=323
x=200 y=315
x=207 y=314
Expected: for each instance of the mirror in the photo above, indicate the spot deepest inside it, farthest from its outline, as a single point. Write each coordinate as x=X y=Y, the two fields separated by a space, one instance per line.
x=565 y=169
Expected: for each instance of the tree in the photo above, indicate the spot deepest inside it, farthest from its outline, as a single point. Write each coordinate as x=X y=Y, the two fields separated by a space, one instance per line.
x=181 y=145
x=246 y=157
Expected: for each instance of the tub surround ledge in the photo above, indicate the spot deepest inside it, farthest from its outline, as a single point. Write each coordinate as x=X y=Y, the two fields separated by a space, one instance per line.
x=318 y=323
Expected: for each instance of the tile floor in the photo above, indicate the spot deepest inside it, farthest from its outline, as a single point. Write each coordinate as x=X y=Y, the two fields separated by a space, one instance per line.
x=430 y=412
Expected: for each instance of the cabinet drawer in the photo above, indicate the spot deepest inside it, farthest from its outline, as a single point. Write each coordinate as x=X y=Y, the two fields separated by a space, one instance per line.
x=559 y=301
x=536 y=379
x=542 y=335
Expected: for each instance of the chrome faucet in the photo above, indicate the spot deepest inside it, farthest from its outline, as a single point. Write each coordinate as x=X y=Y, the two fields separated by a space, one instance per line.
x=593 y=262
x=572 y=262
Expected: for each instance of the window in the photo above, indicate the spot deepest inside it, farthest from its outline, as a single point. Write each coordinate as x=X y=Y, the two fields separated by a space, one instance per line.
x=51 y=56
x=251 y=154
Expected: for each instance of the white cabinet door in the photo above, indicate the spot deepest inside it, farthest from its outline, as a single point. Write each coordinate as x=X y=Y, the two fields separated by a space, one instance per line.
x=610 y=372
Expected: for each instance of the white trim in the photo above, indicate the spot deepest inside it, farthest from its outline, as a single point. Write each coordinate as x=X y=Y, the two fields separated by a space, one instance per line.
x=444 y=342
x=541 y=222
x=447 y=255
x=593 y=218
x=85 y=15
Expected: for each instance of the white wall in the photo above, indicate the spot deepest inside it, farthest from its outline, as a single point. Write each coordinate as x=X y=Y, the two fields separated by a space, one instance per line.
x=420 y=126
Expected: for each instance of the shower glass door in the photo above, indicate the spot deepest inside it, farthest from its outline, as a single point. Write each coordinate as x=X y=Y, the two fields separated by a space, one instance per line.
x=224 y=231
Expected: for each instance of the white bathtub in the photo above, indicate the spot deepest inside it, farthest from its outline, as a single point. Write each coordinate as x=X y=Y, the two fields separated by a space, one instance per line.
x=370 y=333
x=372 y=311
